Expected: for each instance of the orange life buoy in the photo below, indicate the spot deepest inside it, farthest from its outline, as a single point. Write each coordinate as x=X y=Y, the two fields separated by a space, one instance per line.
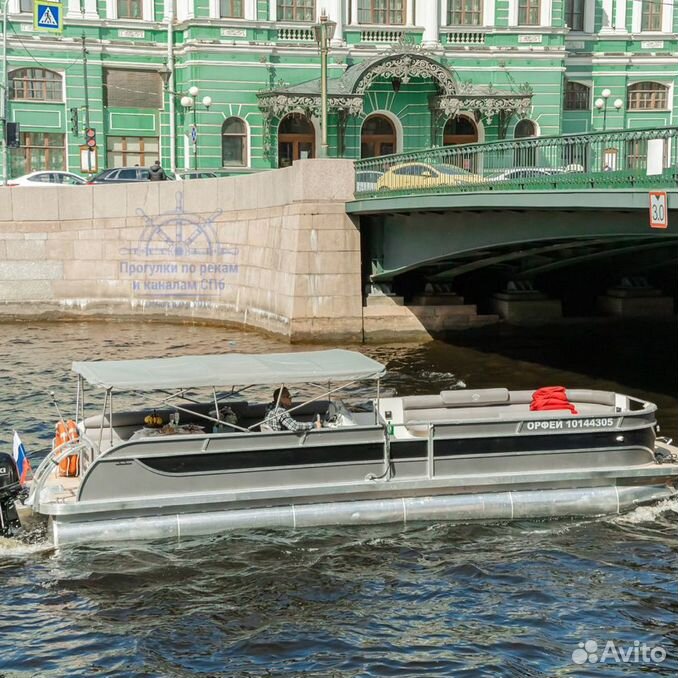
x=61 y=434
x=72 y=429
x=67 y=432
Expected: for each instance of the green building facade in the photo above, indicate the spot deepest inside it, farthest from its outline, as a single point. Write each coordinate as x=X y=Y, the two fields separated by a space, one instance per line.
x=403 y=75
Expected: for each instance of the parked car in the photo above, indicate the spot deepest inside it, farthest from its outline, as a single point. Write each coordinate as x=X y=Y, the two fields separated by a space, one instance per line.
x=424 y=175
x=124 y=175
x=518 y=173
x=197 y=174
x=367 y=180
x=41 y=178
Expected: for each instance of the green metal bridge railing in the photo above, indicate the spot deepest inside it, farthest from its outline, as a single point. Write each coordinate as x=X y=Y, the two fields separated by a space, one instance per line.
x=603 y=160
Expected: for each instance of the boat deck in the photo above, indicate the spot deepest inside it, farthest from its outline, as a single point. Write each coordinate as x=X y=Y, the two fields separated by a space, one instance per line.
x=61 y=489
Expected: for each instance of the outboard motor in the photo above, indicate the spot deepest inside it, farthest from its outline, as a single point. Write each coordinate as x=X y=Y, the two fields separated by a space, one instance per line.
x=10 y=490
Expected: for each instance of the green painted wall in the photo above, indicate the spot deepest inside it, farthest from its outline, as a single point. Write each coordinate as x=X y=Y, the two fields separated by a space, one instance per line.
x=232 y=61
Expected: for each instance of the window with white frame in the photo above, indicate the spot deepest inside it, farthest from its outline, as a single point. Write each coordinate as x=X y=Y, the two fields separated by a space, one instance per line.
x=296 y=10
x=577 y=97
x=232 y=9
x=36 y=84
x=574 y=14
x=529 y=12
x=26 y=6
x=38 y=151
x=651 y=15
x=465 y=12
x=386 y=12
x=647 y=96
x=234 y=143
x=130 y=9
x=129 y=151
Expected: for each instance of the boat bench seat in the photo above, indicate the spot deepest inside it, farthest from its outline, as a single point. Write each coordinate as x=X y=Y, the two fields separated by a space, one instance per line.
x=127 y=422
x=492 y=404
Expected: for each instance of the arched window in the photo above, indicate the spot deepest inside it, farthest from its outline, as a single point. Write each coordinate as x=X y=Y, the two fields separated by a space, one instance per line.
x=296 y=139
x=233 y=143
x=460 y=130
x=378 y=137
x=646 y=96
x=524 y=129
x=296 y=10
x=36 y=84
x=527 y=155
x=577 y=97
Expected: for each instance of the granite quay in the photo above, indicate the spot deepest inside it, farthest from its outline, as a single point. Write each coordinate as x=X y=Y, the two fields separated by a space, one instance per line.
x=273 y=251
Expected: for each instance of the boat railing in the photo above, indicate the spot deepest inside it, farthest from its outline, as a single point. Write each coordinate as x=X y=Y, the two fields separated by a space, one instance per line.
x=81 y=448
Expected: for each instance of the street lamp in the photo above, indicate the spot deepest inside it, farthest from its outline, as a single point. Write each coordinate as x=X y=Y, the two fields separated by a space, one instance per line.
x=189 y=102
x=324 y=32
x=4 y=94
x=601 y=105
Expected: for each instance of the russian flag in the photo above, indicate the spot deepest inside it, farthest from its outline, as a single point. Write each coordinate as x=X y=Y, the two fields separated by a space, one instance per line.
x=20 y=458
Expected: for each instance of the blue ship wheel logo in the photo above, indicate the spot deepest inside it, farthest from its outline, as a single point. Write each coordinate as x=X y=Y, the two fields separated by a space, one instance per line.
x=177 y=234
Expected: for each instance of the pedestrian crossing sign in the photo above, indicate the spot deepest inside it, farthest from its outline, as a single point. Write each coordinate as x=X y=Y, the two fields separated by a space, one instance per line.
x=47 y=16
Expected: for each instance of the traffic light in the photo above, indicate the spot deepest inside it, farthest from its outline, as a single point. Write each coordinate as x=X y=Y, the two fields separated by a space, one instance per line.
x=12 y=134
x=74 y=121
x=91 y=137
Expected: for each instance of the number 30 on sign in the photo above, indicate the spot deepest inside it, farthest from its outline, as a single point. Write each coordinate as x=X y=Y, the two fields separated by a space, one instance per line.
x=659 y=214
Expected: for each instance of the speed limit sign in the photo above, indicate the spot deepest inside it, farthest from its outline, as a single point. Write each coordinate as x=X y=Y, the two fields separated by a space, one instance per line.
x=659 y=214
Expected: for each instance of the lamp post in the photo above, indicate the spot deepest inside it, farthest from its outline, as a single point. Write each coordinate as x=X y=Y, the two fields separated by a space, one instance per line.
x=189 y=101
x=324 y=32
x=601 y=105
x=4 y=94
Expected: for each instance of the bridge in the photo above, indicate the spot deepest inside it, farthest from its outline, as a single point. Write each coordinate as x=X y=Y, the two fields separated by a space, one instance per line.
x=566 y=215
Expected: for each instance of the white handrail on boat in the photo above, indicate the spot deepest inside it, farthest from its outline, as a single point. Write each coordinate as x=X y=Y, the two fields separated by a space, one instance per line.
x=47 y=465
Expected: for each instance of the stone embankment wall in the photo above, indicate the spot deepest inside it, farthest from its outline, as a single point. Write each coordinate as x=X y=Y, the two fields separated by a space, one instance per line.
x=274 y=251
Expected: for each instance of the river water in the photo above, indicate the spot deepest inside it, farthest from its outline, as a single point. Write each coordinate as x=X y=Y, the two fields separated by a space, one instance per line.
x=430 y=600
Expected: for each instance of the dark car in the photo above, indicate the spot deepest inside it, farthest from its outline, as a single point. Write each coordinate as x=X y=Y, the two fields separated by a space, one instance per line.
x=123 y=175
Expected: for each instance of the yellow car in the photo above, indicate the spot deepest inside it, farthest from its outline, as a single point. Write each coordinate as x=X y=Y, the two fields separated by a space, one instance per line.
x=422 y=175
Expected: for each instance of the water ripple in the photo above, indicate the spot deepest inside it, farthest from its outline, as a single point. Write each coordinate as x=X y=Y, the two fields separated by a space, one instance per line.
x=498 y=600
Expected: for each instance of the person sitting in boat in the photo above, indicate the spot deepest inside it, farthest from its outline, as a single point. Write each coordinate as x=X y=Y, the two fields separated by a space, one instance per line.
x=279 y=419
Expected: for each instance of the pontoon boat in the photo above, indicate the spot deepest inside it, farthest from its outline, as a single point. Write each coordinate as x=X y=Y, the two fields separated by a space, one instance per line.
x=200 y=459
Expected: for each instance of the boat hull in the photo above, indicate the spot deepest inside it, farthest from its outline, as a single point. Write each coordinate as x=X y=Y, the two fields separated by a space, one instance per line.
x=482 y=506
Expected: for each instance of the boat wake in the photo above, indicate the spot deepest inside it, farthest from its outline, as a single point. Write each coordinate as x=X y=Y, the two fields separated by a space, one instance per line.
x=647 y=514
x=18 y=548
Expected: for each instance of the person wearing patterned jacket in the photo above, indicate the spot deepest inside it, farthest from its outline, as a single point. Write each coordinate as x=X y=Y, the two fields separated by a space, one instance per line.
x=277 y=416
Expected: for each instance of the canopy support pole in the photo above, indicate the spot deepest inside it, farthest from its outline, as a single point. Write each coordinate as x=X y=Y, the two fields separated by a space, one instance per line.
x=103 y=418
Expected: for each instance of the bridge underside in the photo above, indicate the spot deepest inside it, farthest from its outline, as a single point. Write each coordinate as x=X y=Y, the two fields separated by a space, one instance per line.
x=561 y=250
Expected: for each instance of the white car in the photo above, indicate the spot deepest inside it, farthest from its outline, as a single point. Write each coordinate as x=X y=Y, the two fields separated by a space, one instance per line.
x=47 y=177
x=518 y=173
x=366 y=180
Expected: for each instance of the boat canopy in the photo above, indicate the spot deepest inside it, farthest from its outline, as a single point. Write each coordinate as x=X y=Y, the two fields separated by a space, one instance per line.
x=230 y=369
